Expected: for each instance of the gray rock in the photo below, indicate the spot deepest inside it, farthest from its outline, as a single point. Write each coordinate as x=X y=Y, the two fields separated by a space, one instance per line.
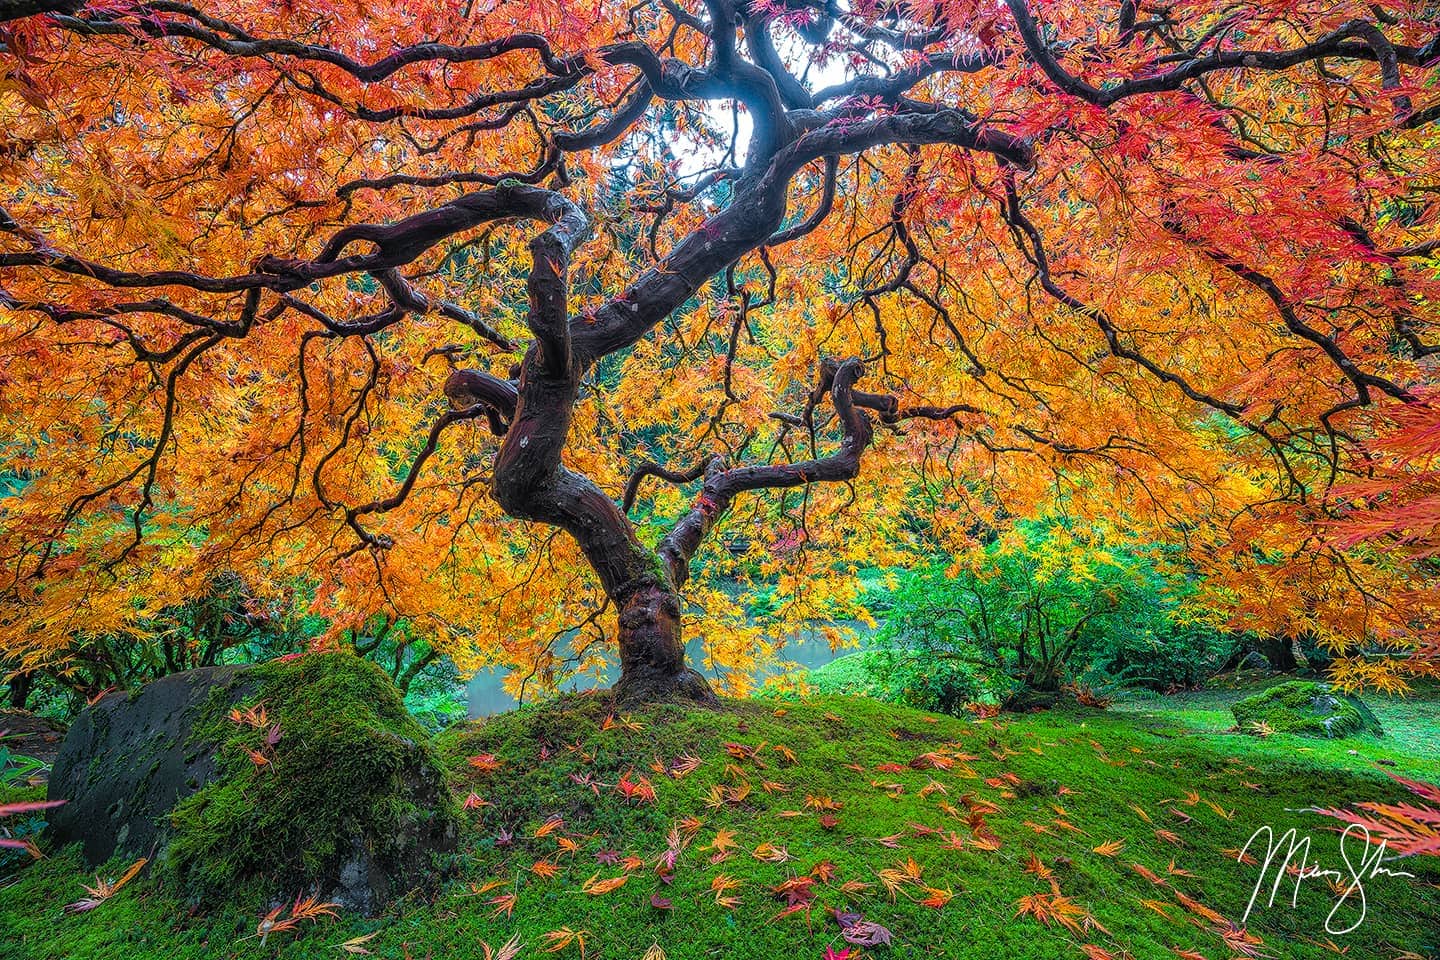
x=126 y=762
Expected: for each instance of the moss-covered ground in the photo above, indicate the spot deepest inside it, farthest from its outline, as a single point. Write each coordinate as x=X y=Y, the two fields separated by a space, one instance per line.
x=935 y=828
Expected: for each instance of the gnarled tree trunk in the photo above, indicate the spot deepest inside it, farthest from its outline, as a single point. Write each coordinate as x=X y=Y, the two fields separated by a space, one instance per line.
x=1279 y=650
x=533 y=415
x=652 y=650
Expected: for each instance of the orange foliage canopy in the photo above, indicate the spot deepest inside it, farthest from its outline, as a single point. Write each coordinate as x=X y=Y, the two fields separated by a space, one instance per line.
x=329 y=294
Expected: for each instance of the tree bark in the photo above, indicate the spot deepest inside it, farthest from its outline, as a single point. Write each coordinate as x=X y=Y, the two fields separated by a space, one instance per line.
x=530 y=481
x=19 y=9
x=1280 y=652
x=652 y=653
x=20 y=686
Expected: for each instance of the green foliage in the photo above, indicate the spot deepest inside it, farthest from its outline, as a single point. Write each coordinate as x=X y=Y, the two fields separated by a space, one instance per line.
x=436 y=696
x=230 y=624
x=854 y=675
x=344 y=764
x=19 y=783
x=1044 y=605
x=1306 y=709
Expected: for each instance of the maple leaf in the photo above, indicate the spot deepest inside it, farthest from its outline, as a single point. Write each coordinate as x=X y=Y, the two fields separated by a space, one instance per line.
x=932 y=761
x=770 y=853
x=1406 y=828
x=302 y=910
x=548 y=827
x=596 y=887
x=356 y=945
x=14 y=809
x=1051 y=908
x=933 y=787
x=865 y=933
x=508 y=951
x=253 y=716
x=683 y=766
x=1240 y=856
x=1240 y=941
x=563 y=938
x=796 y=889
x=105 y=889
x=1147 y=874
x=1200 y=910
x=639 y=788
x=485 y=762
x=721 y=885
x=936 y=897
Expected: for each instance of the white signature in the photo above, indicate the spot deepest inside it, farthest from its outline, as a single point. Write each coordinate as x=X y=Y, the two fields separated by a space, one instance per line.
x=1349 y=884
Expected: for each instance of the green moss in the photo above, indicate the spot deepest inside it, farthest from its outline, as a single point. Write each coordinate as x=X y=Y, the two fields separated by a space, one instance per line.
x=1123 y=780
x=347 y=748
x=1305 y=709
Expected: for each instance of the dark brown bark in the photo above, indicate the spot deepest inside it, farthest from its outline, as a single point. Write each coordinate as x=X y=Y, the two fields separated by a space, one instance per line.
x=722 y=487
x=16 y=9
x=1280 y=652
x=652 y=653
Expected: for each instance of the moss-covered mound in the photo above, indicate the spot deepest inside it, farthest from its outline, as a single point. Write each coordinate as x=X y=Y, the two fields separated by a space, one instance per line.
x=749 y=832
x=302 y=775
x=1305 y=709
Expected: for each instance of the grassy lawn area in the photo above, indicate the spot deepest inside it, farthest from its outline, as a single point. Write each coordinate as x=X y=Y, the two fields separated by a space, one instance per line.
x=1412 y=725
x=1120 y=827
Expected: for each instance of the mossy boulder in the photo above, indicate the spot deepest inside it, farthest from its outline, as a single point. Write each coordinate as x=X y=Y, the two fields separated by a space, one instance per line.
x=1307 y=709
x=321 y=783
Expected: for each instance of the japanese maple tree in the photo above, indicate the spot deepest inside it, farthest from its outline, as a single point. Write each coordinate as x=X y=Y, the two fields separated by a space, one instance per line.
x=387 y=294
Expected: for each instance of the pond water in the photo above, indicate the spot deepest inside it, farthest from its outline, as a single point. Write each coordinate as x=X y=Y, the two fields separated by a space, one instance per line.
x=803 y=650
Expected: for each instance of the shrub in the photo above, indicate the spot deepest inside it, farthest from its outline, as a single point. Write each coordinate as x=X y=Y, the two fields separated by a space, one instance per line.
x=908 y=678
x=1042 y=606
